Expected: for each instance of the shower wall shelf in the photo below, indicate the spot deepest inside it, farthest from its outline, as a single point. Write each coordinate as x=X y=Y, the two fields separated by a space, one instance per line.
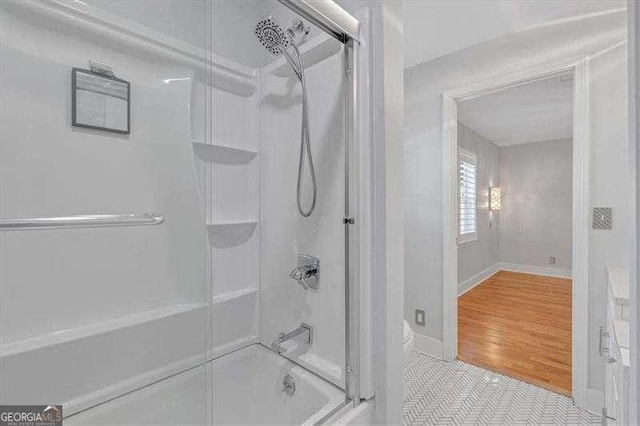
x=235 y=318
x=231 y=83
x=225 y=297
x=228 y=173
x=107 y=343
x=229 y=234
x=222 y=154
x=313 y=51
x=97 y=328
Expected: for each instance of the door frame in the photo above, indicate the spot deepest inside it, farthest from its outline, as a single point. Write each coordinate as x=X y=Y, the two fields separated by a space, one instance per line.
x=580 y=244
x=633 y=11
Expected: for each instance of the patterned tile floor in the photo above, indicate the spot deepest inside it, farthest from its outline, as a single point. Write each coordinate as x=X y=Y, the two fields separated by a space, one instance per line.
x=437 y=392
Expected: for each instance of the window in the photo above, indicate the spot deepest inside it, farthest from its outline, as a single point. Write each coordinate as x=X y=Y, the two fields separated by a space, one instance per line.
x=468 y=176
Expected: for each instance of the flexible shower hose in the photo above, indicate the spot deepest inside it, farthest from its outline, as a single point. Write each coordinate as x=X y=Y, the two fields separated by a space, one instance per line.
x=305 y=145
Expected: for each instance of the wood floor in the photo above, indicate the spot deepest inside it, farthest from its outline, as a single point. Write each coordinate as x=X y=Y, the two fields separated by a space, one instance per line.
x=519 y=325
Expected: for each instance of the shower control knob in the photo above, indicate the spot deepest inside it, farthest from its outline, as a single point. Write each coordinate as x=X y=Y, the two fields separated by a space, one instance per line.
x=288 y=385
x=307 y=273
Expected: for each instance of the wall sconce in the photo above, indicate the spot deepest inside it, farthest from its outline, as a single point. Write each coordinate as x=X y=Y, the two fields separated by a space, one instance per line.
x=495 y=198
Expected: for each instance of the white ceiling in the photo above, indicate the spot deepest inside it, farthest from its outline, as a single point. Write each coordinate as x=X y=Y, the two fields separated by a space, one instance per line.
x=534 y=112
x=434 y=28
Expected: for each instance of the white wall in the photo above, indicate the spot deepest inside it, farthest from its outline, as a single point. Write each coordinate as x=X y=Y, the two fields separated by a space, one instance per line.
x=609 y=186
x=467 y=23
x=425 y=84
x=476 y=256
x=536 y=220
x=387 y=100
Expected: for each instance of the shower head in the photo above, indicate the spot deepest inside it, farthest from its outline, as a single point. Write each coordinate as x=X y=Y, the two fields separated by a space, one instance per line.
x=278 y=41
x=272 y=36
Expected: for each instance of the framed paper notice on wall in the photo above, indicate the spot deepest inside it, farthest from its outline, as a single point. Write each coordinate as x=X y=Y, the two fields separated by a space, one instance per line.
x=100 y=102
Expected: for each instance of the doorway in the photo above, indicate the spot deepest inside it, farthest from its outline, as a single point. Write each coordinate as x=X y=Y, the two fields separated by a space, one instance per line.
x=518 y=278
x=514 y=233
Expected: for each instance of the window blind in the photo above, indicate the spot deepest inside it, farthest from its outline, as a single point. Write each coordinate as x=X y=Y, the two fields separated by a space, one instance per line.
x=468 y=176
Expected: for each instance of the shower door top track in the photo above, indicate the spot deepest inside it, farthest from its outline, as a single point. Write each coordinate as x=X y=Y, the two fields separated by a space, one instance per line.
x=329 y=17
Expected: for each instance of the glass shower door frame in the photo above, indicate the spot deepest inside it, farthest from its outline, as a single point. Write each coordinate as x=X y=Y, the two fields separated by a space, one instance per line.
x=346 y=29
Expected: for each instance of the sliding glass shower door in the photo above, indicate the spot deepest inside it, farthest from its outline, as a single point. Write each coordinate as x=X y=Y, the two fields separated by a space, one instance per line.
x=103 y=239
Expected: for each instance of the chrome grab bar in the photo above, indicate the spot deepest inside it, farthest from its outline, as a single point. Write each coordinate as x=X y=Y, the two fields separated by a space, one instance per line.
x=82 y=221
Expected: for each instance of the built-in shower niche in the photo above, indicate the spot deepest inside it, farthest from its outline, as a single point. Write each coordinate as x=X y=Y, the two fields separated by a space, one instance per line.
x=228 y=175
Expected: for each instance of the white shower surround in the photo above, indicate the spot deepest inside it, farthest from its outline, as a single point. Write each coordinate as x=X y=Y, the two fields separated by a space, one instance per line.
x=77 y=329
x=232 y=226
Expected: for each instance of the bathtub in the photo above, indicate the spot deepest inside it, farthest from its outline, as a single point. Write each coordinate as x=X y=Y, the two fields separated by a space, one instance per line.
x=247 y=389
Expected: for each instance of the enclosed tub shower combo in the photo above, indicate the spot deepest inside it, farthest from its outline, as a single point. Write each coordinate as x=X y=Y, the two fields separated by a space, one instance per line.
x=178 y=237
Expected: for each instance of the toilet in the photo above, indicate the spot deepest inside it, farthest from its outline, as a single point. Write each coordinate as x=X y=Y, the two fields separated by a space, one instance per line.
x=407 y=339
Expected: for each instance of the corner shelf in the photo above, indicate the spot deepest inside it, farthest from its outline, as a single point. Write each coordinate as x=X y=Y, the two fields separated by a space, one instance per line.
x=229 y=234
x=221 y=154
x=233 y=83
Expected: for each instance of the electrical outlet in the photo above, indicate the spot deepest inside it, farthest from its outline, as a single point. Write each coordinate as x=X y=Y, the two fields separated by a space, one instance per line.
x=602 y=217
x=552 y=260
x=420 y=317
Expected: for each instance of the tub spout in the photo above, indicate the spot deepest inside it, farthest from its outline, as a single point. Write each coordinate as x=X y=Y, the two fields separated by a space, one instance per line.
x=304 y=330
x=276 y=346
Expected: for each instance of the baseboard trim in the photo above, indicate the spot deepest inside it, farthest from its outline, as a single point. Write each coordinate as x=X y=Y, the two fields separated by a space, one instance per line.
x=428 y=345
x=470 y=283
x=536 y=270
